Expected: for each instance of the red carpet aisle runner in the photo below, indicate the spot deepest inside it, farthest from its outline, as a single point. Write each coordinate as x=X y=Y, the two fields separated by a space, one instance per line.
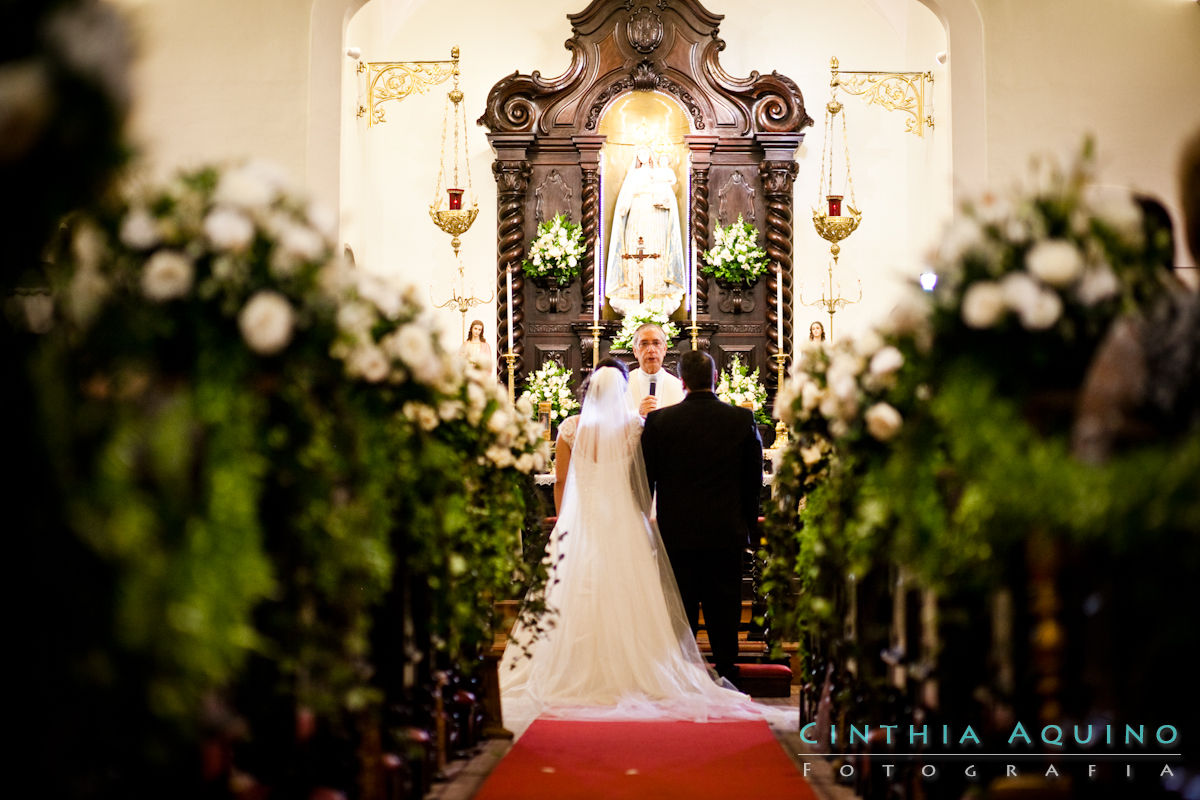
x=646 y=761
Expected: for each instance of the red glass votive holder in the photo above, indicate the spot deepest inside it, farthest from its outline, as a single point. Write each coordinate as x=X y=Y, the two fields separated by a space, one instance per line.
x=455 y=198
x=835 y=204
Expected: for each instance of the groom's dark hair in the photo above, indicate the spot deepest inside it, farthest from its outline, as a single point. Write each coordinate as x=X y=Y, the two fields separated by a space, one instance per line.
x=697 y=370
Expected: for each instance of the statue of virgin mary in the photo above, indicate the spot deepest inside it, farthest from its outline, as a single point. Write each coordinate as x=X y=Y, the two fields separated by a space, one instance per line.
x=645 y=253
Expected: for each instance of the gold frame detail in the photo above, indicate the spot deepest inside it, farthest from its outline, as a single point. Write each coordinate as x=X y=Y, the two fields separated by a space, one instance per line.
x=396 y=80
x=895 y=91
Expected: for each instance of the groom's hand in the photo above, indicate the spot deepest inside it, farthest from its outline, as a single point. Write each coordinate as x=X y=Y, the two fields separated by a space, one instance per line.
x=649 y=403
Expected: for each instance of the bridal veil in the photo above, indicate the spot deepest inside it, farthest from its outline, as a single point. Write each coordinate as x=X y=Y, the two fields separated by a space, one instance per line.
x=618 y=644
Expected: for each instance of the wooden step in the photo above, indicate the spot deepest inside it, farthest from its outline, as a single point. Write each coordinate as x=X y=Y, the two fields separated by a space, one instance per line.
x=507 y=611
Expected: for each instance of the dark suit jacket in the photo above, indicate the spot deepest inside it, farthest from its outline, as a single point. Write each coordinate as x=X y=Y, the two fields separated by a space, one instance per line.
x=704 y=458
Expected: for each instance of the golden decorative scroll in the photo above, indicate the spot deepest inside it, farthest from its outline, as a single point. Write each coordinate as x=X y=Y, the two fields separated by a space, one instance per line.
x=895 y=91
x=396 y=80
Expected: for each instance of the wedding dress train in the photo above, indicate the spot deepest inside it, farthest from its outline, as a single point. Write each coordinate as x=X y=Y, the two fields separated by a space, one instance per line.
x=619 y=645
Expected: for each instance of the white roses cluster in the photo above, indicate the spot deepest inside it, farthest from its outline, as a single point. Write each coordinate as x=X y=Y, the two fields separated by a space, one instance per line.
x=551 y=384
x=1030 y=259
x=516 y=439
x=655 y=310
x=842 y=385
x=200 y=239
x=408 y=350
x=738 y=386
x=456 y=391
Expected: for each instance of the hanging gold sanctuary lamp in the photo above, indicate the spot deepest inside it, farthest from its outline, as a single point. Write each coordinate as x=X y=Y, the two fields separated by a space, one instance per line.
x=830 y=219
x=447 y=210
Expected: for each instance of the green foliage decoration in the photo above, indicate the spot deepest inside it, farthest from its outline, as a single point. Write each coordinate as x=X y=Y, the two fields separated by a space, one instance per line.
x=974 y=455
x=254 y=440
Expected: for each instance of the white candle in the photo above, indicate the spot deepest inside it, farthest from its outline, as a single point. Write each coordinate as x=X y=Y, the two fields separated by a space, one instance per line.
x=779 y=308
x=598 y=278
x=695 y=277
x=510 y=310
x=691 y=246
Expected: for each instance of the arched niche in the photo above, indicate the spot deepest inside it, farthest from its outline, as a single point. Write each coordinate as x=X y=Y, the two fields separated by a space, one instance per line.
x=633 y=120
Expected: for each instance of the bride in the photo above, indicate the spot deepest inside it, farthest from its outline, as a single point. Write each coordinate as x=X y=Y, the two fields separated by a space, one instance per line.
x=619 y=644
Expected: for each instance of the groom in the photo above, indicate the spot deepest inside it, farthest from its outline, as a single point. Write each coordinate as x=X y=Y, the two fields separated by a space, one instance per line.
x=704 y=460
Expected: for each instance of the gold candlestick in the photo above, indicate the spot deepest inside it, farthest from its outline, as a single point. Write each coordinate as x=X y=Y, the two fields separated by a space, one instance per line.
x=781 y=433
x=695 y=333
x=511 y=358
x=595 y=329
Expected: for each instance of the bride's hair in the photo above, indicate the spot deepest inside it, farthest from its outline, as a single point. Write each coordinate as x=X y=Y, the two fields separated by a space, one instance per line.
x=607 y=361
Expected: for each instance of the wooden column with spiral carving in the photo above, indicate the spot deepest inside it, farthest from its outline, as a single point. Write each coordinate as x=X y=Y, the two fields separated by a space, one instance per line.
x=778 y=173
x=512 y=171
x=701 y=148
x=591 y=214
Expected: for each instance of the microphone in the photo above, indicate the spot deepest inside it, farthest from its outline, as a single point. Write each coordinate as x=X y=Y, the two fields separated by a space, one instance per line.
x=653 y=384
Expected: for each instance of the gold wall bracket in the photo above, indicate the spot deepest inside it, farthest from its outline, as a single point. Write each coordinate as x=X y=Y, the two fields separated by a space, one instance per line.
x=396 y=80
x=895 y=91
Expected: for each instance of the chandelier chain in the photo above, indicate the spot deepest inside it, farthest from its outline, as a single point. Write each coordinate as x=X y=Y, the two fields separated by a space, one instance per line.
x=849 y=175
x=437 y=189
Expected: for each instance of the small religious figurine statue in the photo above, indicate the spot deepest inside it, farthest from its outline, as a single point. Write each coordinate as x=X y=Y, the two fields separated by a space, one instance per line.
x=475 y=349
x=645 y=254
x=816 y=332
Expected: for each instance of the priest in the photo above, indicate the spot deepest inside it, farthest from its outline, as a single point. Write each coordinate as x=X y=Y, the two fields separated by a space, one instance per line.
x=650 y=385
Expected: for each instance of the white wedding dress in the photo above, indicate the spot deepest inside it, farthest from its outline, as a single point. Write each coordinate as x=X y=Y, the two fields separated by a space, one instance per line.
x=619 y=645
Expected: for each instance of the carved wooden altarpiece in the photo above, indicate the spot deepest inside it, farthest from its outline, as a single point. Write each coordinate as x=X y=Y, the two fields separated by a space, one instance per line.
x=742 y=142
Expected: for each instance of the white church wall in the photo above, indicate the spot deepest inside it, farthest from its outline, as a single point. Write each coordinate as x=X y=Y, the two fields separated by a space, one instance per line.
x=221 y=79
x=1123 y=71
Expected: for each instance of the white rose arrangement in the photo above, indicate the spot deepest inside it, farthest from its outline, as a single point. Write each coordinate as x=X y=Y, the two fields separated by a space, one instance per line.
x=835 y=391
x=556 y=252
x=736 y=256
x=551 y=384
x=1056 y=259
x=655 y=310
x=235 y=236
x=399 y=345
x=237 y=252
x=737 y=385
x=282 y=426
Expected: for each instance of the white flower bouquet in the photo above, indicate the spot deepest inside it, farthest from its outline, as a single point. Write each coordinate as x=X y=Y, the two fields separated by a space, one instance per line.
x=551 y=384
x=737 y=385
x=656 y=311
x=736 y=257
x=556 y=253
